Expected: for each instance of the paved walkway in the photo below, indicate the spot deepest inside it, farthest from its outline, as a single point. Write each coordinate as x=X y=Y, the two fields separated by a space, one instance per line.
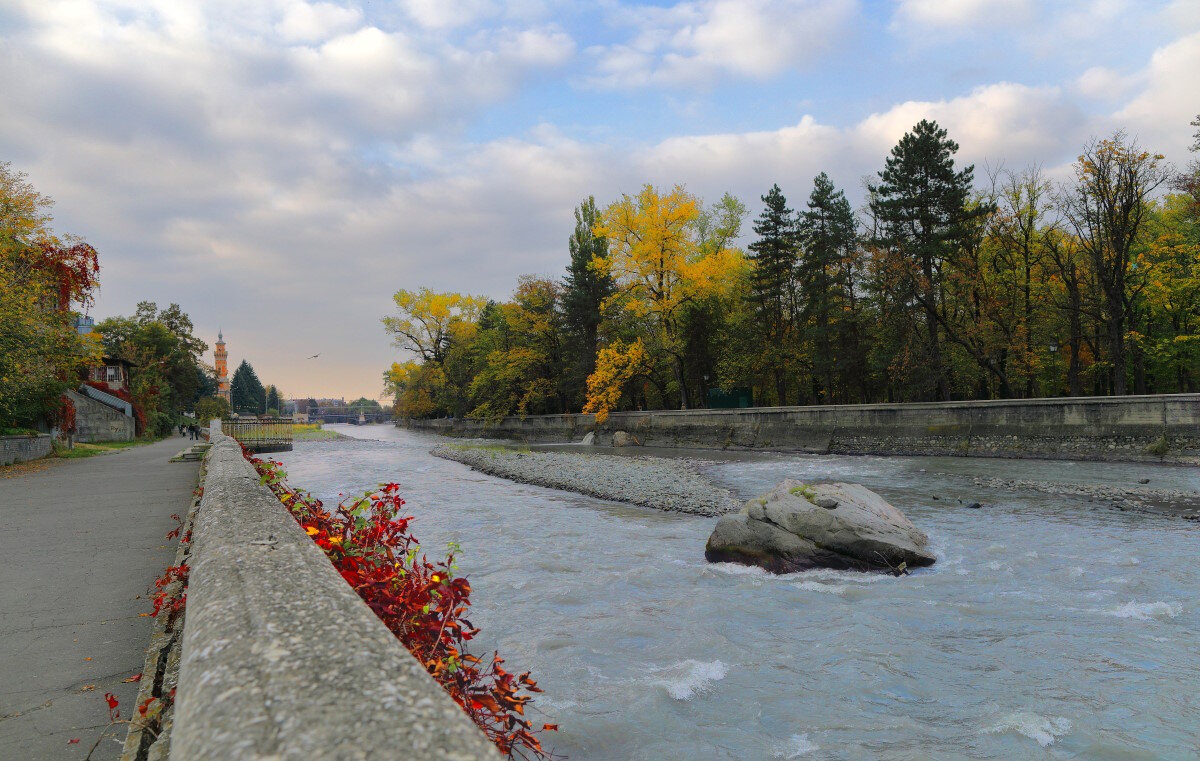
x=80 y=542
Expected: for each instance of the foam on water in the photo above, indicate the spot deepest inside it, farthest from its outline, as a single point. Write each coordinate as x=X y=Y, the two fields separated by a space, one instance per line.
x=686 y=679
x=816 y=586
x=797 y=746
x=1144 y=611
x=1043 y=730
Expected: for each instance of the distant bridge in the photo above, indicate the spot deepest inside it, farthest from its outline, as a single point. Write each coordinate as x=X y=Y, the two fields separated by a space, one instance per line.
x=349 y=415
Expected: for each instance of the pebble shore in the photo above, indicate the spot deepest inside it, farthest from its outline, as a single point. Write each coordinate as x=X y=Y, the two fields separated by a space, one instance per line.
x=663 y=484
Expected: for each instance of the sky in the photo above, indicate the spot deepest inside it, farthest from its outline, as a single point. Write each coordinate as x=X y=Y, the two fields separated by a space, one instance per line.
x=280 y=168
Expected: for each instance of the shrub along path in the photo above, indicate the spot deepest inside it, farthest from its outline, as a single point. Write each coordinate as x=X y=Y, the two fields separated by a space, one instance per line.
x=80 y=543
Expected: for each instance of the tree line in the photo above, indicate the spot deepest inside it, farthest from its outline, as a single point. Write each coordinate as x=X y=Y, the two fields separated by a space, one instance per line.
x=944 y=285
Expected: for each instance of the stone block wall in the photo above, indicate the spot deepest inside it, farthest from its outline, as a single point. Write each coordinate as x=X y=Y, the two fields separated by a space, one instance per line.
x=24 y=448
x=95 y=421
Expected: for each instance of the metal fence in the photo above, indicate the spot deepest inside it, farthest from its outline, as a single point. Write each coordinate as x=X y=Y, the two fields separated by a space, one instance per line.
x=260 y=434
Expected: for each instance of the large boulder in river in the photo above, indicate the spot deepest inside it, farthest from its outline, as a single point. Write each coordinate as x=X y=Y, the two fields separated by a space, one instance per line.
x=797 y=527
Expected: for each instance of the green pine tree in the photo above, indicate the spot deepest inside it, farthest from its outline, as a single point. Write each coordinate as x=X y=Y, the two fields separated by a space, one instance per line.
x=773 y=284
x=921 y=208
x=584 y=292
x=246 y=393
x=828 y=231
x=273 y=400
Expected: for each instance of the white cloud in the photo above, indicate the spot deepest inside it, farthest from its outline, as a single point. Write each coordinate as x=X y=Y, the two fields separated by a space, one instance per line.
x=962 y=13
x=1105 y=84
x=442 y=14
x=313 y=22
x=692 y=43
x=1158 y=116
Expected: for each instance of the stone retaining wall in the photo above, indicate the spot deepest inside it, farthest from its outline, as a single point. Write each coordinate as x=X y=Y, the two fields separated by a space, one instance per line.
x=24 y=448
x=281 y=659
x=99 y=422
x=1130 y=428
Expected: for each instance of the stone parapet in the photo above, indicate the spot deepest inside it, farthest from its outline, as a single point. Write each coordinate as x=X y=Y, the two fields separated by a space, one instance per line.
x=281 y=659
x=24 y=448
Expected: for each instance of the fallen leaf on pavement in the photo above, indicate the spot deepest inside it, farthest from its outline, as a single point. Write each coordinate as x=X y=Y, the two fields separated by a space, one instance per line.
x=133 y=678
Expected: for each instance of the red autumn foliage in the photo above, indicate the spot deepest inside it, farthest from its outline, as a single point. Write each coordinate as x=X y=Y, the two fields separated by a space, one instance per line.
x=64 y=416
x=114 y=713
x=174 y=533
x=75 y=268
x=172 y=574
x=423 y=603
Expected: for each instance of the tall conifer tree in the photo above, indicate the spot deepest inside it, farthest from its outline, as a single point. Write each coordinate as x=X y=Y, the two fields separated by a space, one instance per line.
x=246 y=393
x=774 y=256
x=828 y=231
x=584 y=290
x=921 y=205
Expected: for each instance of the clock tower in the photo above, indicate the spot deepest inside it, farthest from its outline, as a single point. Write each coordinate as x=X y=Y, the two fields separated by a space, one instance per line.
x=222 y=362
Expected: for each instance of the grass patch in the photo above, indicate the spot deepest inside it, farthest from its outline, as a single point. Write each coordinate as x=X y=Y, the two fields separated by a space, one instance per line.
x=82 y=450
x=1159 y=447
x=18 y=432
x=803 y=491
x=313 y=432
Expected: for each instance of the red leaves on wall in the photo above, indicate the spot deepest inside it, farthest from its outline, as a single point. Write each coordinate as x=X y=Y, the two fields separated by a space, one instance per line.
x=423 y=603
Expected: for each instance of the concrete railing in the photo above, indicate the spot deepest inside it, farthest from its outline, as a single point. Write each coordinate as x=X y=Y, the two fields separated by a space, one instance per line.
x=281 y=659
x=1162 y=427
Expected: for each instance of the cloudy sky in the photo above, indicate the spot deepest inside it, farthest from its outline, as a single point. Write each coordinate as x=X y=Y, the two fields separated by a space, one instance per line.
x=281 y=171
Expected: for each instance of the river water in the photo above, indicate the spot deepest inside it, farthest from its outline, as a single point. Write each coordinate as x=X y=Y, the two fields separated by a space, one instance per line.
x=1049 y=628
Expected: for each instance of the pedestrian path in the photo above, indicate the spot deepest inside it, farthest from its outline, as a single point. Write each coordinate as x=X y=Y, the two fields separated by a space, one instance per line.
x=80 y=543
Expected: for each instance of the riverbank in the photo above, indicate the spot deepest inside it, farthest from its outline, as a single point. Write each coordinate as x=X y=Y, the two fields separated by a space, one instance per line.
x=1141 y=498
x=1161 y=428
x=672 y=485
x=315 y=432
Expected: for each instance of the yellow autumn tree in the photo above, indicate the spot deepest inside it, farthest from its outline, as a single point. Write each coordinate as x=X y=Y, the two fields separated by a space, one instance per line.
x=413 y=386
x=658 y=260
x=41 y=277
x=439 y=329
x=429 y=322
x=616 y=365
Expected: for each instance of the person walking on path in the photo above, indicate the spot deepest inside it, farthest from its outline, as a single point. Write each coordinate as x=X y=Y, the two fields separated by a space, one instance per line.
x=83 y=541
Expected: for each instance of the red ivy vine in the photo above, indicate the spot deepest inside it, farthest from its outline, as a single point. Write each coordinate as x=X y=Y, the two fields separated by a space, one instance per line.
x=423 y=603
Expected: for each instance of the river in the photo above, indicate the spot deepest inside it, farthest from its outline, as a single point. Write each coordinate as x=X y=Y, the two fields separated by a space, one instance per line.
x=1049 y=628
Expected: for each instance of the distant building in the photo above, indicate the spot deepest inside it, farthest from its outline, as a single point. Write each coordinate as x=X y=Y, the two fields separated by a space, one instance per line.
x=112 y=374
x=222 y=364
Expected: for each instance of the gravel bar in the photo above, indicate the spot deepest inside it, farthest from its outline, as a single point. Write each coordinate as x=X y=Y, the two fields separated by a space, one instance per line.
x=1140 y=499
x=660 y=483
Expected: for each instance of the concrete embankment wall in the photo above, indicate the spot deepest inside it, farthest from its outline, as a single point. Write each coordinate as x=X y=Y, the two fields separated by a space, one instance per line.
x=281 y=659
x=24 y=448
x=1131 y=428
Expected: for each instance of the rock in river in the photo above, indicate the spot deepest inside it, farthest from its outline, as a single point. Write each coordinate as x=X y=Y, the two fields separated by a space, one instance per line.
x=791 y=529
